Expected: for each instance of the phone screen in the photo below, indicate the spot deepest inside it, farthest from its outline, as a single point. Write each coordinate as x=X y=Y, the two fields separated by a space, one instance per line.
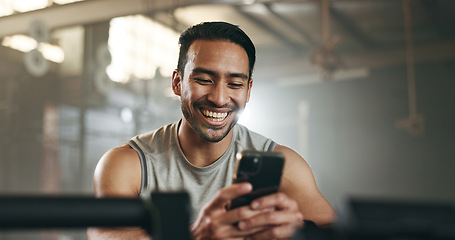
x=262 y=169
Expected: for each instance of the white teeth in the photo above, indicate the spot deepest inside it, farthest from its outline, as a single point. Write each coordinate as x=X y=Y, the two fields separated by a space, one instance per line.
x=217 y=116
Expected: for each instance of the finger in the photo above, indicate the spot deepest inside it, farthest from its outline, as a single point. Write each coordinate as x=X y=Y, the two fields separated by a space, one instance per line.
x=232 y=231
x=226 y=194
x=277 y=232
x=217 y=230
x=242 y=213
x=273 y=218
x=225 y=224
x=277 y=201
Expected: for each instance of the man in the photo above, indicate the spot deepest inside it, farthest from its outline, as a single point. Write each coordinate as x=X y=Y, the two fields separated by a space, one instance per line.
x=213 y=80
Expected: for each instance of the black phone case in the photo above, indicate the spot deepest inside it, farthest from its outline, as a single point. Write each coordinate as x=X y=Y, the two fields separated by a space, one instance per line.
x=262 y=169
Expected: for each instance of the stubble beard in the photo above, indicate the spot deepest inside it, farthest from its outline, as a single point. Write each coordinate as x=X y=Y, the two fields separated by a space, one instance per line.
x=212 y=134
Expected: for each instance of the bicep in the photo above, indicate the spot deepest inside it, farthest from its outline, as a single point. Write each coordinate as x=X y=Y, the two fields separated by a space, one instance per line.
x=297 y=179
x=298 y=183
x=118 y=173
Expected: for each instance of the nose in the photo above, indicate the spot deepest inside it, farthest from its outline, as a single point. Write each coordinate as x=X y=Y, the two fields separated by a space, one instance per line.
x=219 y=95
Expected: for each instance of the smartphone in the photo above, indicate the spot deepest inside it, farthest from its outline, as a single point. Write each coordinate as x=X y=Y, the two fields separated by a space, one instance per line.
x=262 y=169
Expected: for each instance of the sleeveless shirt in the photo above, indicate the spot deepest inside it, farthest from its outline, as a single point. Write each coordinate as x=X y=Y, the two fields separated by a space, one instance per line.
x=166 y=169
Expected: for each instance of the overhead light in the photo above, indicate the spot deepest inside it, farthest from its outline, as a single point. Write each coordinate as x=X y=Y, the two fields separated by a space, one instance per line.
x=22 y=43
x=25 y=43
x=138 y=46
x=6 y=8
x=29 y=5
x=61 y=2
x=52 y=52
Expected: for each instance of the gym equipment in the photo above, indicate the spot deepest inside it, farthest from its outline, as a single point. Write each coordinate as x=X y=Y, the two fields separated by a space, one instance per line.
x=375 y=219
x=163 y=215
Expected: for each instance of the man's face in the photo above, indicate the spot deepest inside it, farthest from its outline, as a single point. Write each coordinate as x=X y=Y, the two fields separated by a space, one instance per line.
x=214 y=87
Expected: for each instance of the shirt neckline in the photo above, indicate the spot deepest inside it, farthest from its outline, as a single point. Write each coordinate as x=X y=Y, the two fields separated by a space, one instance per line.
x=212 y=166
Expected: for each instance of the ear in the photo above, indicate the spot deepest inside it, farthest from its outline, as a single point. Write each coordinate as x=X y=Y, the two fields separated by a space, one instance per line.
x=250 y=85
x=176 y=82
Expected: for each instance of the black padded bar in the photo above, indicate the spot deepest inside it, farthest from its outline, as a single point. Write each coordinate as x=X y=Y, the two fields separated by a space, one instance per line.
x=173 y=214
x=18 y=212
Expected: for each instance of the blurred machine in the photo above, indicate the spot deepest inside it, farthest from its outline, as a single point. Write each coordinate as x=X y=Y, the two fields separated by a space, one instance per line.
x=386 y=220
x=164 y=216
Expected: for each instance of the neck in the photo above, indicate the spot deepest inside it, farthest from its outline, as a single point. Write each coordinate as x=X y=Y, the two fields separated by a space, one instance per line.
x=198 y=151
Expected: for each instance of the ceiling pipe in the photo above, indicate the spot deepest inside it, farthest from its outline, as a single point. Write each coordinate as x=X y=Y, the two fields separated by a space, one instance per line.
x=85 y=12
x=305 y=35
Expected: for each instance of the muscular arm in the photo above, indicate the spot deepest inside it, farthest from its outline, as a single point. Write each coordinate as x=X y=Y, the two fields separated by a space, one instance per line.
x=118 y=174
x=279 y=215
x=299 y=184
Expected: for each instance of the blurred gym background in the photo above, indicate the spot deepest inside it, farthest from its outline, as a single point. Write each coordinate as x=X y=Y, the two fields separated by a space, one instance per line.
x=362 y=89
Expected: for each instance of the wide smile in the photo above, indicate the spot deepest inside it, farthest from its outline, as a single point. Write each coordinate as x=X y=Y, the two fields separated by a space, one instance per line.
x=215 y=117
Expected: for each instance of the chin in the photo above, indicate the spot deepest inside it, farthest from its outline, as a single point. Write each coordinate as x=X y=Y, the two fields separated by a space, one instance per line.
x=218 y=134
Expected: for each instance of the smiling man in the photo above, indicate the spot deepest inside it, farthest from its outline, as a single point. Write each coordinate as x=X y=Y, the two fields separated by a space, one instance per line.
x=197 y=153
x=213 y=92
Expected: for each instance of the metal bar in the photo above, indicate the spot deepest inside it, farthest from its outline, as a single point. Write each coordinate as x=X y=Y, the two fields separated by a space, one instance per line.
x=165 y=216
x=71 y=212
x=412 y=95
x=308 y=38
x=351 y=28
x=85 y=12
x=278 y=35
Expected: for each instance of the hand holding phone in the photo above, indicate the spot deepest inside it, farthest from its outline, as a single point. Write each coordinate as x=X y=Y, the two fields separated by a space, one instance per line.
x=262 y=169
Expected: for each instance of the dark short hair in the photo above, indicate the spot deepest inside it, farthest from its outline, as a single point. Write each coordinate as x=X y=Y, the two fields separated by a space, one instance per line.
x=215 y=31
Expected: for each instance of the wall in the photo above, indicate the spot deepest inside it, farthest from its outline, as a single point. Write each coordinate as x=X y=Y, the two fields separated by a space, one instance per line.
x=353 y=144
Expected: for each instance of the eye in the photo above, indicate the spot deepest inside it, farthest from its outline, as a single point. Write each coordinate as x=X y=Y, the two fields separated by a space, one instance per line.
x=203 y=81
x=236 y=85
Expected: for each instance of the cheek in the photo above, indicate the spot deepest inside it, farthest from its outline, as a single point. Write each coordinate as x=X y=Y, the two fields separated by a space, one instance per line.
x=186 y=92
x=241 y=98
x=195 y=92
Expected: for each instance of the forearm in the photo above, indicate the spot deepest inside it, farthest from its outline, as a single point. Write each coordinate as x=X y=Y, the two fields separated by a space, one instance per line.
x=117 y=233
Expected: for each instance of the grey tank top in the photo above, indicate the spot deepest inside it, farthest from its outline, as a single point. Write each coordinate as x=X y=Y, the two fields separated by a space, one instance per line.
x=166 y=169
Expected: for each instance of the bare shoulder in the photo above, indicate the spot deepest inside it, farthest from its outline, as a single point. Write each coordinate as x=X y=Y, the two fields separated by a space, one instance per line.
x=295 y=166
x=118 y=173
x=298 y=183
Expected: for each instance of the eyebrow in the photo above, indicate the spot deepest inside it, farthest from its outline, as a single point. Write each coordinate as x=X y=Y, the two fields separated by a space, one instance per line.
x=213 y=73
x=205 y=71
